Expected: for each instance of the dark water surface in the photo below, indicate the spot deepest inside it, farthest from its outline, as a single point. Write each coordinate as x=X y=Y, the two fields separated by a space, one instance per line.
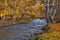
x=22 y=31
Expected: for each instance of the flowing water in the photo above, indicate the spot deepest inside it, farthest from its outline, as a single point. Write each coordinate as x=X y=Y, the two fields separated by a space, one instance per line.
x=22 y=31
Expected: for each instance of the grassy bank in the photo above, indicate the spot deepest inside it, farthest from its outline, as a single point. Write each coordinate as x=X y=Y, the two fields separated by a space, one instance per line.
x=50 y=32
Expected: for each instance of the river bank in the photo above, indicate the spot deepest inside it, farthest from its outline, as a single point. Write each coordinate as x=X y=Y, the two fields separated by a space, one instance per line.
x=51 y=32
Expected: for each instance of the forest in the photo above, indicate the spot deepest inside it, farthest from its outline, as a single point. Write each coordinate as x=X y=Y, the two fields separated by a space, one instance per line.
x=26 y=10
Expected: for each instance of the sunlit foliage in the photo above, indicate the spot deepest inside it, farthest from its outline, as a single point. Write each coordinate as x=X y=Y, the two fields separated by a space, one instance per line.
x=21 y=8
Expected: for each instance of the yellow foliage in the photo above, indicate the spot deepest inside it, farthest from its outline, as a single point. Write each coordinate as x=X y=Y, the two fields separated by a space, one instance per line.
x=20 y=7
x=37 y=6
x=32 y=13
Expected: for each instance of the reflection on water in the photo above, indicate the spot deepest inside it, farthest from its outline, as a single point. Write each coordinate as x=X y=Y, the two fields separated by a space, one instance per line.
x=22 y=31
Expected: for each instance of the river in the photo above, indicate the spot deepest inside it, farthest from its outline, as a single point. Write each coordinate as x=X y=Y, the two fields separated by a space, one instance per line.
x=22 y=31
